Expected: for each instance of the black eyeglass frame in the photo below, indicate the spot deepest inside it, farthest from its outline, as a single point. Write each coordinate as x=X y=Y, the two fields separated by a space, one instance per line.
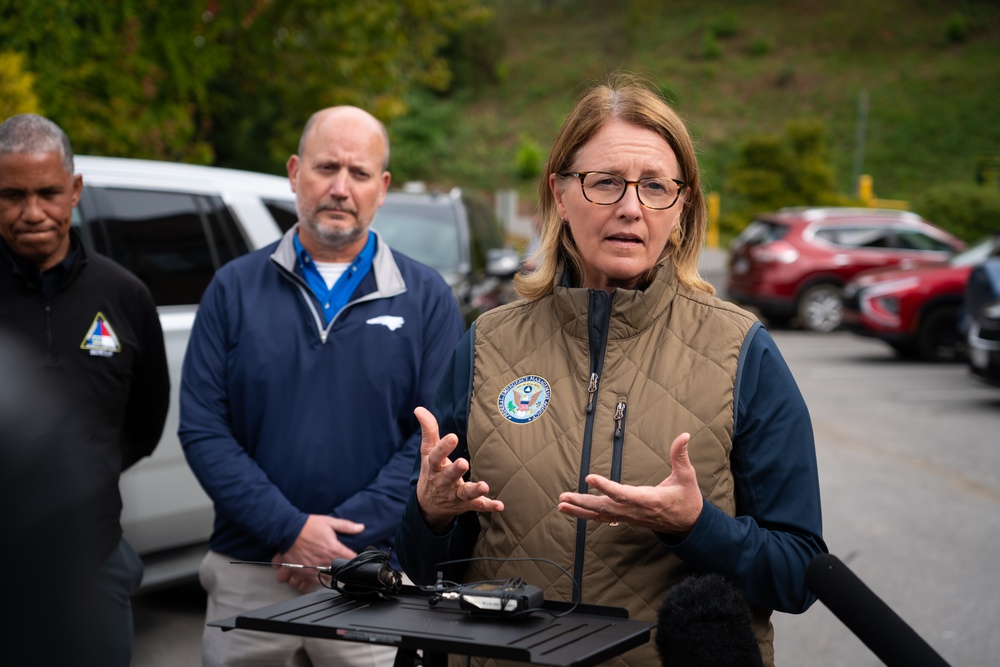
x=681 y=185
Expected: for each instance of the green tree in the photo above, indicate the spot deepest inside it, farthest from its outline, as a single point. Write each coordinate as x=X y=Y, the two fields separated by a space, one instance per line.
x=791 y=169
x=228 y=83
x=292 y=58
x=122 y=78
x=17 y=94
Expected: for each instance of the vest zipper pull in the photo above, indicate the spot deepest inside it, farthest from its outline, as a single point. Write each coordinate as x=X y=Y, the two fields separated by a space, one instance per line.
x=619 y=413
x=591 y=390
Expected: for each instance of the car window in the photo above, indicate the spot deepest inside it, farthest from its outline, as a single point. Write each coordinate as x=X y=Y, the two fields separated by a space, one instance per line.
x=283 y=211
x=485 y=227
x=172 y=241
x=760 y=232
x=857 y=237
x=912 y=239
x=427 y=233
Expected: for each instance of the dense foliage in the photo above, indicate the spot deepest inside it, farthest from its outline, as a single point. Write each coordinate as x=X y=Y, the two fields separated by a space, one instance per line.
x=17 y=87
x=473 y=91
x=224 y=82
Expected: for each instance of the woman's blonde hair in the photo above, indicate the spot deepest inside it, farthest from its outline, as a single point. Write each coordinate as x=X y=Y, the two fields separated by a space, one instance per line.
x=629 y=98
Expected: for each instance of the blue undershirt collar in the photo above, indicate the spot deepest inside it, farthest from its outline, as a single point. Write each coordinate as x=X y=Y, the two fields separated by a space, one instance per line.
x=334 y=298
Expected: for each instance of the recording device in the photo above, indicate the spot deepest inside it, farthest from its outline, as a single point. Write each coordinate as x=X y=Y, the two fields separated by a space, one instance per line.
x=889 y=637
x=704 y=621
x=368 y=573
x=499 y=599
x=492 y=598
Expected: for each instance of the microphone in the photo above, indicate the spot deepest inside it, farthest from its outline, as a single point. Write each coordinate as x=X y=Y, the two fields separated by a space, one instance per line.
x=867 y=616
x=704 y=621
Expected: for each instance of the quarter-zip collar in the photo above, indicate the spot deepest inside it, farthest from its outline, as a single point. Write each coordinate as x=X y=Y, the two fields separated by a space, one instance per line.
x=388 y=280
x=632 y=310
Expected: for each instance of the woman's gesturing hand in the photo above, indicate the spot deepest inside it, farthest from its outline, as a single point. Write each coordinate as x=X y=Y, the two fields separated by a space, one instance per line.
x=673 y=506
x=441 y=492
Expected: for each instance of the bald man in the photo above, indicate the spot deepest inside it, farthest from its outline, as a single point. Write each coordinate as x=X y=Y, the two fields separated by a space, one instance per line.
x=304 y=365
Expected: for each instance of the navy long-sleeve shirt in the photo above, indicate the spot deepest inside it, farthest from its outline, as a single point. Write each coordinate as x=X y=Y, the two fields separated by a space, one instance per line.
x=284 y=414
x=777 y=529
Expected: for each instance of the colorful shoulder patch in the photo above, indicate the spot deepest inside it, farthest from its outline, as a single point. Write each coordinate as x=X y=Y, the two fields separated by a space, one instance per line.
x=101 y=339
x=525 y=399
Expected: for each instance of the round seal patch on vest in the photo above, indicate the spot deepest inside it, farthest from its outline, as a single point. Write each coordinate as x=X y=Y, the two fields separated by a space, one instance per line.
x=525 y=399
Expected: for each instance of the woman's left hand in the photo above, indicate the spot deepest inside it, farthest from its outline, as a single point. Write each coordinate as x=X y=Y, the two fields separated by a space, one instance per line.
x=672 y=507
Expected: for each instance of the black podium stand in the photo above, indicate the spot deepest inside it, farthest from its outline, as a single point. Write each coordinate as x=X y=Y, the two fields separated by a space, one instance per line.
x=585 y=636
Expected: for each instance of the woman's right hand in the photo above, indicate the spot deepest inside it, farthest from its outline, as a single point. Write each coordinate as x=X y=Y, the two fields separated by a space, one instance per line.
x=441 y=492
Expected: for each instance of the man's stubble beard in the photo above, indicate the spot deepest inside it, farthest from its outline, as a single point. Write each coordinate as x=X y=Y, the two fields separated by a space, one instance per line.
x=334 y=237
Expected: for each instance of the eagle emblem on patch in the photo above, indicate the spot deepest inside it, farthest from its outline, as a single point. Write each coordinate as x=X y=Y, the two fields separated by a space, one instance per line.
x=525 y=399
x=101 y=339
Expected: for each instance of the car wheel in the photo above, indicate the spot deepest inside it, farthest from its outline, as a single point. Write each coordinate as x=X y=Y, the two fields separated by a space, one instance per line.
x=772 y=320
x=907 y=350
x=821 y=308
x=938 y=338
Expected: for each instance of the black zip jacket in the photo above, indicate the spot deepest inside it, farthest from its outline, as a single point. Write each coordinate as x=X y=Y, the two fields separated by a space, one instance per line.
x=97 y=338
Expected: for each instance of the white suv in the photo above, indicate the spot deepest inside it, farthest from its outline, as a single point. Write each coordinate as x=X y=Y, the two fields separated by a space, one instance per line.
x=173 y=225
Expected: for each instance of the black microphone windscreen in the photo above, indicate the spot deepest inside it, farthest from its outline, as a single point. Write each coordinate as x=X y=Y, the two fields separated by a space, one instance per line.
x=704 y=621
x=865 y=614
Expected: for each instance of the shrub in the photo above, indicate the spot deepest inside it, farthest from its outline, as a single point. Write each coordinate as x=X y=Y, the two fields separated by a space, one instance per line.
x=711 y=47
x=725 y=26
x=529 y=159
x=956 y=29
x=968 y=211
x=761 y=46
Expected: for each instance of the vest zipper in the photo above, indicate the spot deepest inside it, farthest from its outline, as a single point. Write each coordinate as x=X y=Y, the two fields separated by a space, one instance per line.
x=598 y=323
x=591 y=392
x=618 y=441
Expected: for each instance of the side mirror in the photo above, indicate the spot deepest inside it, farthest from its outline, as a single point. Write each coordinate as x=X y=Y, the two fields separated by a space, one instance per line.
x=502 y=262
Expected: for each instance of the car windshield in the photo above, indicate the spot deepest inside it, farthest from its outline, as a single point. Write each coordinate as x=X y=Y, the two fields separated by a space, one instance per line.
x=975 y=254
x=428 y=234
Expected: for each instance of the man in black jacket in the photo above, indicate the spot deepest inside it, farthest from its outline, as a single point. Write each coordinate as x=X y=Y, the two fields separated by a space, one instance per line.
x=95 y=335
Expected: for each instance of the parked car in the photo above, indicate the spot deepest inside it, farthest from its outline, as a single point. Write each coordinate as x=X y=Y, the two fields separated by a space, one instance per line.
x=916 y=311
x=454 y=232
x=174 y=225
x=791 y=265
x=982 y=303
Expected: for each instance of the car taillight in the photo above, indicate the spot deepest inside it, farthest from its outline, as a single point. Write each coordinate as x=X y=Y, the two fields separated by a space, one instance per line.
x=778 y=252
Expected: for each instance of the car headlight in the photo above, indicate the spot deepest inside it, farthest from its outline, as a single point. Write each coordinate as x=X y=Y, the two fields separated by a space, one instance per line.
x=992 y=311
x=881 y=302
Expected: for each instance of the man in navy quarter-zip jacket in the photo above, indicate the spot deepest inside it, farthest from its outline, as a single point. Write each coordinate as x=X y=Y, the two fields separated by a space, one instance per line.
x=305 y=363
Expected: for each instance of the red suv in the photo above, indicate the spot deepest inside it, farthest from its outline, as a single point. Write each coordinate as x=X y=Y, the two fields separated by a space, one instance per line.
x=792 y=264
x=916 y=311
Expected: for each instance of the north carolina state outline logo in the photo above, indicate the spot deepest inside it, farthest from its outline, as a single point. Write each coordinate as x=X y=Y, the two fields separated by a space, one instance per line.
x=525 y=399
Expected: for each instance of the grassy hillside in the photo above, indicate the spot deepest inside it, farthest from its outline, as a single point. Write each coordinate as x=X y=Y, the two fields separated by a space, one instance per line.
x=931 y=70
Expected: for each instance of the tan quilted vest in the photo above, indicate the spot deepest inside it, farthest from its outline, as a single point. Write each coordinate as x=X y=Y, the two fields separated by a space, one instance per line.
x=670 y=358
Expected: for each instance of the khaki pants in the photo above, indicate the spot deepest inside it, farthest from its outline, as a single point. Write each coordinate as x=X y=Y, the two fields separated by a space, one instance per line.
x=234 y=589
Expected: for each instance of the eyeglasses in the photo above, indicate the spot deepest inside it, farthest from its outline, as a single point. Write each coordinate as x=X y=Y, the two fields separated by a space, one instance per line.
x=600 y=187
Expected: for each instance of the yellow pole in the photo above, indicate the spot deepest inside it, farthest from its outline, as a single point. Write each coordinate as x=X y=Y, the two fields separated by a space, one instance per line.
x=866 y=190
x=712 y=235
